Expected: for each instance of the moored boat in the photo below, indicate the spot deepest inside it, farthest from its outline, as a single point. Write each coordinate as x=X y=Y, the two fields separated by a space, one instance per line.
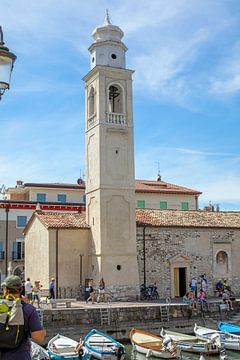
x=38 y=352
x=103 y=347
x=191 y=343
x=152 y=345
x=228 y=327
x=229 y=341
x=61 y=347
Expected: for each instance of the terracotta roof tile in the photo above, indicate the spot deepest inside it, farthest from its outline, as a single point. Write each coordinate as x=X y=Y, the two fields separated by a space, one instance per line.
x=178 y=218
x=162 y=187
x=62 y=220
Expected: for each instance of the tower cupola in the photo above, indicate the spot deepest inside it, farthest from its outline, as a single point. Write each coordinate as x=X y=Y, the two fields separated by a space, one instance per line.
x=107 y=48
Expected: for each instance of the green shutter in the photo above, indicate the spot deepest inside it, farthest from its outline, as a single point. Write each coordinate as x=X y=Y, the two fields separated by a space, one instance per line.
x=163 y=205
x=184 y=206
x=141 y=204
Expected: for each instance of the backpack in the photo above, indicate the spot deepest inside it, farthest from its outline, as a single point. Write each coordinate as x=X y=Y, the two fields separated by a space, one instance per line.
x=11 y=322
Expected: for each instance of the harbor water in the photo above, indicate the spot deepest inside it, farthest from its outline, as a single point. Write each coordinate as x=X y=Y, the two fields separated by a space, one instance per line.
x=134 y=355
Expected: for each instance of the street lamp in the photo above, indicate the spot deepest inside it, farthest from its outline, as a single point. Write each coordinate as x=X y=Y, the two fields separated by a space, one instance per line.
x=6 y=65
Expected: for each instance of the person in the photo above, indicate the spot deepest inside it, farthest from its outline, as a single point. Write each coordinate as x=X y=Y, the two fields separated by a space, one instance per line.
x=203 y=281
x=28 y=289
x=32 y=327
x=193 y=285
x=226 y=285
x=91 y=291
x=36 y=293
x=52 y=289
x=219 y=288
x=226 y=299
x=101 y=291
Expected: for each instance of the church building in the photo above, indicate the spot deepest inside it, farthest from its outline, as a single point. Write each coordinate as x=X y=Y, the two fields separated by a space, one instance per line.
x=112 y=239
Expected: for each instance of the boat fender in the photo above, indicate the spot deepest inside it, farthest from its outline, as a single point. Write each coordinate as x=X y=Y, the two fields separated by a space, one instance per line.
x=120 y=351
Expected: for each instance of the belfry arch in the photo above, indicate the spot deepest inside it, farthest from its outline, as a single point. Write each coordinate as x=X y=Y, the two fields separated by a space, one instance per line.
x=116 y=102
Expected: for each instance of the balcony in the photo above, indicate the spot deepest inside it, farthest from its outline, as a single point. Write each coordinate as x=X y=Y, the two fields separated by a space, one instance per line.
x=17 y=256
x=116 y=118
x=2 y=255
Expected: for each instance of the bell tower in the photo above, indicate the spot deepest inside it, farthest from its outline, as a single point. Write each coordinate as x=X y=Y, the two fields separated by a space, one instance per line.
x=110 y=180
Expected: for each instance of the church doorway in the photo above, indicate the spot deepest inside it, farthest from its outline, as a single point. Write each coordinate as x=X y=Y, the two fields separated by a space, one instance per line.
x=180 y=275
x=180 y=281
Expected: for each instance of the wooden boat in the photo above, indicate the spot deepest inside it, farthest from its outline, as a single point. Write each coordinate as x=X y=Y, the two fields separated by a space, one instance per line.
x=103 y=346
x=191 y=343
x=152 y=345
x=38 y=352
x=61 y=347
x=229 y=328
x=229 y=341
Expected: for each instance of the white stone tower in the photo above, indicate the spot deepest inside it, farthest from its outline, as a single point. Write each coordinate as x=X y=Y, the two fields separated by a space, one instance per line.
x=110 y=185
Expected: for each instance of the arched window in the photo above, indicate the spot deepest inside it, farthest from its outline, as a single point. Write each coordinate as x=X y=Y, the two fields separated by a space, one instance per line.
x=115 y=96
x=91 y=102
x=222 y=263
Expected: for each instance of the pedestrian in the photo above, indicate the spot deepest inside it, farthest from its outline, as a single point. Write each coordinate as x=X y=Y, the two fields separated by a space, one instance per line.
x=36 y=291
x=32 y=327
x=91 y=291
x=52 y=289
x=203 y=285
x=101 y=291
x=226 y=299
x=28 y=289
x=193 y=286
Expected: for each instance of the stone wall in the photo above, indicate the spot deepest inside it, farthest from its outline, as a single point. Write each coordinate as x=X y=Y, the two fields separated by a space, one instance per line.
x=198 y=246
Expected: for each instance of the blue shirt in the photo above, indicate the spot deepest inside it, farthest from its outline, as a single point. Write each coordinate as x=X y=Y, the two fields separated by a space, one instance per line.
x=31 y=324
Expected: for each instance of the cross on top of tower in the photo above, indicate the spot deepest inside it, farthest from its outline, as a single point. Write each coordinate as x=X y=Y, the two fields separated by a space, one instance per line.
x=107 y=19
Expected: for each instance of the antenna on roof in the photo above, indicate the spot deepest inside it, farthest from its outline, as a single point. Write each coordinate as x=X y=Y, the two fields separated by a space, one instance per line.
x=159 y=178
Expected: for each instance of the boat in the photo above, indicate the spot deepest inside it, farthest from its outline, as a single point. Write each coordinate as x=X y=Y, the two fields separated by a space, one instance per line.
x=153 y=345
x=190 y=343
x=230 y=328
x=61 y=347
x=102 y=346
x=38 y=352
x=229 y=341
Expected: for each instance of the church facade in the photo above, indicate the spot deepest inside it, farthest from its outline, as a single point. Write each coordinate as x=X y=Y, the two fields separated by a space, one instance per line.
x=112 y=239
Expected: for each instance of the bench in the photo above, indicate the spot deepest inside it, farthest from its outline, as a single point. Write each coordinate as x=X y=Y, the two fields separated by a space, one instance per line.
x=223 y=307
x=55 y=302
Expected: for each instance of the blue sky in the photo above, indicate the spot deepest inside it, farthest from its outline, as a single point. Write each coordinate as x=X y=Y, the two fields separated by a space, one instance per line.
x=186 y=57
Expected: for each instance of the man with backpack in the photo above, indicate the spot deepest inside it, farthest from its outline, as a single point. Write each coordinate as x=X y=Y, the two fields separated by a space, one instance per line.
x=18 y=322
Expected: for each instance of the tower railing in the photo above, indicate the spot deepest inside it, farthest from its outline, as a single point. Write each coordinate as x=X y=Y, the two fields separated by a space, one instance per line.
x=116 y=118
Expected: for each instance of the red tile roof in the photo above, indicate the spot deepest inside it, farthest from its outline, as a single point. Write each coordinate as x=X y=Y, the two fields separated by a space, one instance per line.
x=62 y=220
x=141 y=186
x=162 y=187
x=180 y=218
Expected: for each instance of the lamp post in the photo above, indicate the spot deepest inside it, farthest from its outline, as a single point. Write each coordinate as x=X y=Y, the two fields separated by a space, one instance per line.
x=7 y=59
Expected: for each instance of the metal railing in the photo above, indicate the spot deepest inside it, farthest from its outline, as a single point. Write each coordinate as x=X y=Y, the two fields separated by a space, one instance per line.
x=17 y=255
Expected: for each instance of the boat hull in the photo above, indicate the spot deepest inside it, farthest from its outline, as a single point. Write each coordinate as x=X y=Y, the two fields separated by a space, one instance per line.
x=103 y=347
x=192 y=344
x=229 y=341
x=152 y=345
x=61 y=348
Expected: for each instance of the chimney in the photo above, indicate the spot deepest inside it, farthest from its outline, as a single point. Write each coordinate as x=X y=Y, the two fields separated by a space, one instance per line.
x=19 y=183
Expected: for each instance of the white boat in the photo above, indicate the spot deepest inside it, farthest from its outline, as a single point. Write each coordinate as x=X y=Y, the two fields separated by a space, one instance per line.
x=38 y=352
x=102 y=346
x=153 y=345
x=191 y=343
x=61 y=347
x=229 y=341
